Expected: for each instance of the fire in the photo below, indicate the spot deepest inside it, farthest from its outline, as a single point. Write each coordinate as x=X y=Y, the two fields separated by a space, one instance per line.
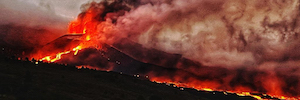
x=92 y=24
x=258 y=97
x=207 y=89
x=76 y=49
x=59 y=55
x=86 y=25
x=211 y=90
x=249 y=94
x=88 y=37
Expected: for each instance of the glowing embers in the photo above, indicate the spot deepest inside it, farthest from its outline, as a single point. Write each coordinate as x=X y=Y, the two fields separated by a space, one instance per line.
x=88 y=38
x=87 y=25
x=249 y=94
x=207 y=89
x=59 y=55
x=76 y=49
x=258 y=96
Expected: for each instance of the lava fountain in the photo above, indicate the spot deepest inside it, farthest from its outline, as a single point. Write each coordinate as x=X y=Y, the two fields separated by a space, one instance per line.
x=237 y=46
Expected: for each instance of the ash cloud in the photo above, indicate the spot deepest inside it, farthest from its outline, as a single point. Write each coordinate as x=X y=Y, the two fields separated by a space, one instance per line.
x=244 y=45
x=234 y=44
x=228 y=33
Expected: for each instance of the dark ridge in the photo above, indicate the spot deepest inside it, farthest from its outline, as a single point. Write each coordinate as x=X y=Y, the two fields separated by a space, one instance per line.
x=26 y=80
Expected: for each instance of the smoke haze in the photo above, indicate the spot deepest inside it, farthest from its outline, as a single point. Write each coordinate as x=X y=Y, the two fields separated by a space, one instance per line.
x=228 y=33
x=234 y=42
x=217 y=33
x=237 y=44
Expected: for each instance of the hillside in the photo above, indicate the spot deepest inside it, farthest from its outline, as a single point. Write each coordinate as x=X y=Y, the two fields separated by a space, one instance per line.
x=24 y=80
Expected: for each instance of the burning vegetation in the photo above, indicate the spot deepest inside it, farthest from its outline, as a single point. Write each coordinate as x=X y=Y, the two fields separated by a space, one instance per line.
x=237 y=46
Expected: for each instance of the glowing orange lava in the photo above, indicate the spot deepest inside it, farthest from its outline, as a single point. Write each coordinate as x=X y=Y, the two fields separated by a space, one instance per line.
x=59 y=55
x=239 y=93
x=87 y=25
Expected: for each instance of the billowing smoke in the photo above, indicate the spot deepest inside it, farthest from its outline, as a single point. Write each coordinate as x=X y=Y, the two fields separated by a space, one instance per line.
x=237 y=44
x=230 y=33
x=218 y=33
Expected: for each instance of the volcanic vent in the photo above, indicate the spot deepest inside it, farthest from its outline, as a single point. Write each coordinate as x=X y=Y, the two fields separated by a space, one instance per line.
x=235 y=45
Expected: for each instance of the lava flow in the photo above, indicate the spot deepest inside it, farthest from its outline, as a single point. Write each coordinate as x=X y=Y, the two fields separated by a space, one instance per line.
x=238 y=46
x=85 y=25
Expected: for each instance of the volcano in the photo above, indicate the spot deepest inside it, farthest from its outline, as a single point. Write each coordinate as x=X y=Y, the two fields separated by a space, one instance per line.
x=140 y=62
x=56 y=81
x=131 y=58
x=245 y=47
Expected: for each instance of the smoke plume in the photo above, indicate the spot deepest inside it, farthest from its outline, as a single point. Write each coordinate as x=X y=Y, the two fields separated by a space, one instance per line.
x=246 y=43
x=230 y=33
x=238 y=45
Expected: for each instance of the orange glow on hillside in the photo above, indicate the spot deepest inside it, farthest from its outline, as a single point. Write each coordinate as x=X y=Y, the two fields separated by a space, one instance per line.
x=86 y=24
x=59 y=55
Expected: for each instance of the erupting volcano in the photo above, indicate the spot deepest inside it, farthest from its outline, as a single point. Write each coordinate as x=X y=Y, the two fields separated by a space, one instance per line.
x=246 y=47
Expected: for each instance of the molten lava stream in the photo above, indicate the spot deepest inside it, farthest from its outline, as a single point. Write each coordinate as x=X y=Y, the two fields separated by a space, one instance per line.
x=58 y=56
x=85 y=43
x=239 y=92
x=204 y=86
x=87 y=24
x=88 y=42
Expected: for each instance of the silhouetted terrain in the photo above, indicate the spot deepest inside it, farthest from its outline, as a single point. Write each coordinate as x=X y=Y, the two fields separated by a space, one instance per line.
x=25 y=80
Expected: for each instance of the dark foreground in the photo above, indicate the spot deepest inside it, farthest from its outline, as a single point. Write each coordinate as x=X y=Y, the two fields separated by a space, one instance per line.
x=24 y=80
